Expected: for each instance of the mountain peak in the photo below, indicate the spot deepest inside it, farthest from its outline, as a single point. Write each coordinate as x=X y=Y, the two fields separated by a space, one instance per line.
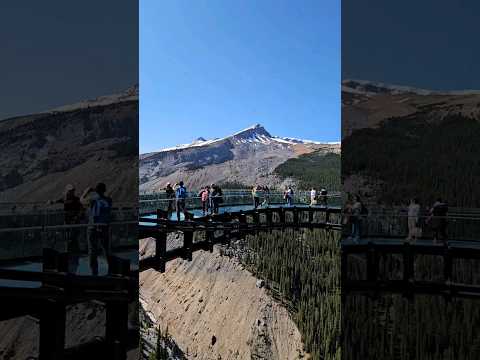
x=254 y=129
x=255 y=134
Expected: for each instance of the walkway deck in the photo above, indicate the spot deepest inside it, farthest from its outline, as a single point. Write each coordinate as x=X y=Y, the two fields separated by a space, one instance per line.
x=230 y=225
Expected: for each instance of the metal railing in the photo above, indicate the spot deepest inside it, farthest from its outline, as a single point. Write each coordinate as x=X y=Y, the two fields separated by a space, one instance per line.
x=152 y=202
x=460 y=224
x=26 y=235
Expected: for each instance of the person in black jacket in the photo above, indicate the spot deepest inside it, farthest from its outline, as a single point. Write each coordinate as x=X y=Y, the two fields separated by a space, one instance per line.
x=171 y=199
x=438 y=220
x=74 y=213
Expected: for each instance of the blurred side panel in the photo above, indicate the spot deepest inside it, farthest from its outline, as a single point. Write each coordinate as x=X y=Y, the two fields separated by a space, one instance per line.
x=69 y=180
x=410 y=174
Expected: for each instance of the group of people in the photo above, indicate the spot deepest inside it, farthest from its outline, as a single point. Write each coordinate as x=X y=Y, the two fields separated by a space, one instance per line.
x=318 y=197
x=211 y=198
x=259 y=191
x=95 y=206
x=434 y=217
x=353 y=212
x=288 y=195
x=177 y=196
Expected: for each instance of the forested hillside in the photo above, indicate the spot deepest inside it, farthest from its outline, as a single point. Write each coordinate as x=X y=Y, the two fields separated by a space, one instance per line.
x=424 y=326
x=417 y=156
x=302 y=266
x=315 y=169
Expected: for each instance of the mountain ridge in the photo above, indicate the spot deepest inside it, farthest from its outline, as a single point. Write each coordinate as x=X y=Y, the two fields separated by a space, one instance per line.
x=249 y=133
x=247 y=156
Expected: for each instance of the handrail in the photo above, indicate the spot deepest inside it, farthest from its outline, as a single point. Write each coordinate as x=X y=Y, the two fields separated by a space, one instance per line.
x=64 y=226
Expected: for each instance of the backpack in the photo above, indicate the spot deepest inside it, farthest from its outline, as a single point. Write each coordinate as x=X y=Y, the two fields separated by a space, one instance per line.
x=101 y=209
x=181 y=192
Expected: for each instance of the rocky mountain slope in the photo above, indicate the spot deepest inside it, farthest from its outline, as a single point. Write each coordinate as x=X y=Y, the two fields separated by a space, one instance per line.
x=214 y=309
x=19 y=338
x=367 y=104
x=82 y=144
x=248 y=156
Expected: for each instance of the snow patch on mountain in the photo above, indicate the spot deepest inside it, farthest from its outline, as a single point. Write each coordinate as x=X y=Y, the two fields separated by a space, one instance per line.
x=252 y=134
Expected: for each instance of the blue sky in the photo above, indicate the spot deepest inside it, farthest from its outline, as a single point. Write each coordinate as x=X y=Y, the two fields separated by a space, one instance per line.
x=210 y=68
x=429 y=44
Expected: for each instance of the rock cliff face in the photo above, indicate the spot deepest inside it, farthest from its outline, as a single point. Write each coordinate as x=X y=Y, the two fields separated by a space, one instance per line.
x=248 y=156
x=214 y=309
x=80 y=144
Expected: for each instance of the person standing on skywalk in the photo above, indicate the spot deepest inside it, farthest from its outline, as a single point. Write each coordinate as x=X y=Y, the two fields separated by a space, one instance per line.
x=180 y=196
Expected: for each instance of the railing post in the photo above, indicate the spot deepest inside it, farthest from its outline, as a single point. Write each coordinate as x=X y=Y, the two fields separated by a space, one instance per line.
x=372 y=267
x=226 y=235
x=281 y=215
x=256 y=217
x=327 y=215
x=52 y=316
x=63 y=262
x=242 y=219
x=52 y=330
x=210 y=239
x=295 y=215
x=50 y=259
x=268 y=215
x=408 y=263
x=310 y=215
x=447 y=264
x=116 y=324
x=187 y=244
x=344 y=269
x=160 y=251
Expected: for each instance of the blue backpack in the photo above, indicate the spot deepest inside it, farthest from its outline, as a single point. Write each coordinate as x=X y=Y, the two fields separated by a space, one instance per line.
x=101 y=209
x=181 y=192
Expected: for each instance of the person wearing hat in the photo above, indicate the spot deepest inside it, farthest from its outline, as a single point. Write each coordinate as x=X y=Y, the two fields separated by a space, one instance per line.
x=171 y=199
x=73 y=213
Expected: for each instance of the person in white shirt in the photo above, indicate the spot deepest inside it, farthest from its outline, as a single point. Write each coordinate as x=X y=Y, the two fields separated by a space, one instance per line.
x=413 y=219
x=313 y=197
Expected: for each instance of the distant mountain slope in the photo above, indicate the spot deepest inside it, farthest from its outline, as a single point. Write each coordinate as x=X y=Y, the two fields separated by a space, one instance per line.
x=367 y=104
x=248 y=156
x=401 y=142
x=82 y=144
x=313 y=170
